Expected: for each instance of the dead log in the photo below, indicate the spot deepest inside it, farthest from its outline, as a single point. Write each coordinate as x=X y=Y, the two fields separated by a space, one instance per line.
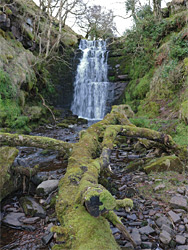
x=64 y=148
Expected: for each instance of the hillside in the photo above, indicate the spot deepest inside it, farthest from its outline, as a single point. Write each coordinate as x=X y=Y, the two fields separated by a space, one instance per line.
x=25 y=73
x=154 y=56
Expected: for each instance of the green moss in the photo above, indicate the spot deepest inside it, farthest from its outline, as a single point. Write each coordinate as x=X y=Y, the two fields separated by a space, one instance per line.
x=125 y=203
x=149 y=110
x=166 y=163
x=184 y=112
x=7 y=157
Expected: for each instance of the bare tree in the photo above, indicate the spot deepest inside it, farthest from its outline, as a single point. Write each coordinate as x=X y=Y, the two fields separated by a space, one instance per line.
x=97 y=22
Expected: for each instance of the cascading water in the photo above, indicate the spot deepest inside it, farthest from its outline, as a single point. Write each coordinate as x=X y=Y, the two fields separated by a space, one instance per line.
x=91 y=83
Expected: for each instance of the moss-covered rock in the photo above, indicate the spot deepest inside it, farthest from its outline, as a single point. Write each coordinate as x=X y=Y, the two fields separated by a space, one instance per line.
x=7 y=184
x=183 y=113
x=166 y=163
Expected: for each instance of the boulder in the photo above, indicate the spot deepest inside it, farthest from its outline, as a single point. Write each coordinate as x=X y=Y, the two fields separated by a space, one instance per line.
x=179 y=202
x=14 y=220
x=166 y=163
x=47 y=187
x=7 y=184
x=31 y=207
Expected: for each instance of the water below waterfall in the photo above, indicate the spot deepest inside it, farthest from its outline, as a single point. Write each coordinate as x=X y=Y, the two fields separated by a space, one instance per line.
x=91 y=83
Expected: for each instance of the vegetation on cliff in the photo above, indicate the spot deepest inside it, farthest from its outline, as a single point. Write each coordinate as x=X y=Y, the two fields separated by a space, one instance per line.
x=25 y=70
x=154 y=55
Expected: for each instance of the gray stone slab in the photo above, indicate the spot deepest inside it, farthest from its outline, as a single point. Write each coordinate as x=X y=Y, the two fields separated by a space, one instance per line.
x=175 y=217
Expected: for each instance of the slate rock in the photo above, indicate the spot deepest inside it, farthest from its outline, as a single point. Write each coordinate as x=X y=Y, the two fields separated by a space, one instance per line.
x=184 y=247
x=136 y=236
x=31 y=207
x=47 y=238
x=179 y=202
x=146 y=230
x=180 y=239
x=165 y=237
x=175 y=217
x=13 y=220
x=132 y=217
x=162 y=219
x=47 y=187
x=32 y=220
x=167 y=229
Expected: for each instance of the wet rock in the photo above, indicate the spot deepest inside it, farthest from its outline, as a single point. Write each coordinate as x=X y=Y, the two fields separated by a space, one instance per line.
x=165 y=237
x=175 y=217
x=32 y=220
x=13 y=220
x=146 y=230
x=31 y=207
x=179 y=202
x=47 y=238
x=47 y=187
x=180 y=239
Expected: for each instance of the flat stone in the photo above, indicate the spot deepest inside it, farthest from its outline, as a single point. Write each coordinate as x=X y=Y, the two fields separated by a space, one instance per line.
x=184 y=247
x=132 y=217
x=179 y=202
x=13 y=220
x=167 y=229
x=159 y=187
x=136 y=236
x=47 y=238
x=47 y=187
x=146 y=245
x=180 y=239
x=32 y=220
x=165 y=237
x=162 y=219
x=31 y=207
x=146 y=230
x=175 y=217
x=115 y=230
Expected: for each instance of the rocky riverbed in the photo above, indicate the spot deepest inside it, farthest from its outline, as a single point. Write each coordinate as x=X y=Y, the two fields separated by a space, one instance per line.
x=28 y=214
x=159 y=219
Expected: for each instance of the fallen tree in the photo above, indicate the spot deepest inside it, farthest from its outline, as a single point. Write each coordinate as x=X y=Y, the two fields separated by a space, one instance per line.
x=84 y=207
x=64 y=148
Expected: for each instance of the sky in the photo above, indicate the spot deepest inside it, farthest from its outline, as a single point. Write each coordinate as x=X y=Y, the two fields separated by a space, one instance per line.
x=118 y=7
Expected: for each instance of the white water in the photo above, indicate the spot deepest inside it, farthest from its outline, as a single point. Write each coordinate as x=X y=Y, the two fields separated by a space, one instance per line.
x=91 y=83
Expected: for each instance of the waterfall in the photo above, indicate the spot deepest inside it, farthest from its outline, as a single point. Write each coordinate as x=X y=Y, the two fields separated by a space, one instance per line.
x=91 y=82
